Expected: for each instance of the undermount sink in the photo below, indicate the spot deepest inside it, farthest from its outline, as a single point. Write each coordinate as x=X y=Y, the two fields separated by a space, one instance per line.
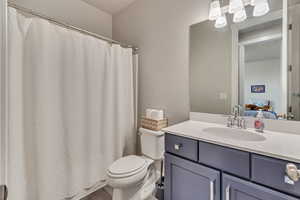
x=235 y=134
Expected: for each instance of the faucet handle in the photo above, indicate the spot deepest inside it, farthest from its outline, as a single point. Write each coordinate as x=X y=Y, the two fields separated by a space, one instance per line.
x=229 y=121
x=240 y=110
x=237 y=110
x=243 y=123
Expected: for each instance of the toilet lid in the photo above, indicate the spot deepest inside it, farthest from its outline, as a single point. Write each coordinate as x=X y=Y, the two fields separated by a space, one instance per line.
x=127 y=165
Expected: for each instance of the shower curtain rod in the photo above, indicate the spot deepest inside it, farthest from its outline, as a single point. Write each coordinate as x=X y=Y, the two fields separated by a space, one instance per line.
x=71 y=27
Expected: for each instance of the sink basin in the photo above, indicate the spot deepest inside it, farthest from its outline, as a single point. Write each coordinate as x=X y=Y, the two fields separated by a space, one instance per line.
x=235 y=134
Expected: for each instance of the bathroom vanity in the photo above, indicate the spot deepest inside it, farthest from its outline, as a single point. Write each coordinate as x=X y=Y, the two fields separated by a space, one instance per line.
x=243 y=66
x=207 y=161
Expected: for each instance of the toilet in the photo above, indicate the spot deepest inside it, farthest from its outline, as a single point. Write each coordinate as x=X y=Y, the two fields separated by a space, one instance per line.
x=133 y=177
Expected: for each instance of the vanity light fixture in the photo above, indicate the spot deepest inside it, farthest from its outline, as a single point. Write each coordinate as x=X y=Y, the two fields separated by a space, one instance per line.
x=239 y=16
x=261 y=7
x=221 y=21
x=237 y=8
x=215 y=10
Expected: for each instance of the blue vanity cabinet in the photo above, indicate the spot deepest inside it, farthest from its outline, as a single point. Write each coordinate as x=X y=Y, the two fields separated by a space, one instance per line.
x=237 y=189
x=228 y=160
x=197 y=170
x=271 y=172
x=187 y=180
x=183 y=147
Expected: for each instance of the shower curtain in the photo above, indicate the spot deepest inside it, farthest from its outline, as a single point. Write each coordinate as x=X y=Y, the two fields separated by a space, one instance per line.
x=71 y=109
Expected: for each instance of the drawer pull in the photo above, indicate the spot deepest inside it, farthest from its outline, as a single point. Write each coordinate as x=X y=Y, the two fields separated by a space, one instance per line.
x=227 y=192
x=212 y=190
x=177 y=147
x=293 y=172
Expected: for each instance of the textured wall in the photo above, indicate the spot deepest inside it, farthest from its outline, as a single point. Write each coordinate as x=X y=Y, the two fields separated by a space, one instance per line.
x=161 y=29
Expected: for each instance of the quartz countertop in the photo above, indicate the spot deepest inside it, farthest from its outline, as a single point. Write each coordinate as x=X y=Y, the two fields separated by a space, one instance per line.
x=279 y=145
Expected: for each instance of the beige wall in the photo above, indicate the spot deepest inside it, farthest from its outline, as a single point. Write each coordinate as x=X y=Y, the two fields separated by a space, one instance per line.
x=264 y=72
x=74 y=12
x=161 y=29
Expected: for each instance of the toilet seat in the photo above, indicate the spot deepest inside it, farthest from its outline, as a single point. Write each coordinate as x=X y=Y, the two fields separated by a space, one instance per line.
x=127 y=166
x=127 y=171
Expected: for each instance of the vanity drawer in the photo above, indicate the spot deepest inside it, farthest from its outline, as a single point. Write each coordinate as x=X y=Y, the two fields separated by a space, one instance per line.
x=226 y=159
x=181 y=146
x=271 y=172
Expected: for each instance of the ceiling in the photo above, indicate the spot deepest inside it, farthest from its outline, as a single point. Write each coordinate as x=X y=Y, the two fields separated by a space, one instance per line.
x=110 y=6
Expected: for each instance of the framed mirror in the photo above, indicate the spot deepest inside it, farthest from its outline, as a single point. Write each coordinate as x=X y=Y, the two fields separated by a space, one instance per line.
x=254 y=64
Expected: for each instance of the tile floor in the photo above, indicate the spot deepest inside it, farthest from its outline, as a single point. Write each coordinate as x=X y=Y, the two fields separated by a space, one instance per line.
x=103 y=195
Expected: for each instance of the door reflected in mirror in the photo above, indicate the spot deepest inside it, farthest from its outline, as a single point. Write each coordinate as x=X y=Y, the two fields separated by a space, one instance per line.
x=260 y=70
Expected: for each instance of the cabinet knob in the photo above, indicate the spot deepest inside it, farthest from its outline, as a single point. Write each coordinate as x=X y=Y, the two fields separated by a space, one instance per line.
x=177 y=147
x=293 y=172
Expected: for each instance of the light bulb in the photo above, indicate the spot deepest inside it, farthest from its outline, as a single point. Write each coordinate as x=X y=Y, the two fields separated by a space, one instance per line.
x=221 y=21
x=239 y=16
x=215 y=10
x=261 y=7
x=236 y=6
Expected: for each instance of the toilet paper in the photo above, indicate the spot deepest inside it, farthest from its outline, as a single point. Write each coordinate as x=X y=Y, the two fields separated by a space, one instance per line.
x=155 y=114
x=149 y=113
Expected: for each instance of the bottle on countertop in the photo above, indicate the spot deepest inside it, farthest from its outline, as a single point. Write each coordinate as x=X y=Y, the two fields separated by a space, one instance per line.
x=259 y=124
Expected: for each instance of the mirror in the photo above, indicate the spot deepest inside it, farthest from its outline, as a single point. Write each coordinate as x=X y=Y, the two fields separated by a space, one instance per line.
x=255 y=64
x=261 y=74
x=294 y=60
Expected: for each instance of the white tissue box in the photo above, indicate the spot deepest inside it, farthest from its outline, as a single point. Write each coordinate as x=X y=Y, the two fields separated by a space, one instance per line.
x=155 y=114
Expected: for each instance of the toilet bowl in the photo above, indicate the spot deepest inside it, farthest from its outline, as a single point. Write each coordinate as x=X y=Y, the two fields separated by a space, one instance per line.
x=133 y=177
x=127 y=171
x=128 y=176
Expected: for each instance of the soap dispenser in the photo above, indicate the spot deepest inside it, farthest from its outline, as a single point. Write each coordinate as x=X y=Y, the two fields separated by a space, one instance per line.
x=259 y=122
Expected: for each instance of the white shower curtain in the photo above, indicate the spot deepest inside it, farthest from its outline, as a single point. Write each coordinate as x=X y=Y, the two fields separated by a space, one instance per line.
x=71 y=110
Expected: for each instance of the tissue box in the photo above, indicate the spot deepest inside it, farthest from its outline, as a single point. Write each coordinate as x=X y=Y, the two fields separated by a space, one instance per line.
x=155 y=125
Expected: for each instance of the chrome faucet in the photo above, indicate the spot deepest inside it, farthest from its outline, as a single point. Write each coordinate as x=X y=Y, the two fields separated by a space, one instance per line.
x=236 y=119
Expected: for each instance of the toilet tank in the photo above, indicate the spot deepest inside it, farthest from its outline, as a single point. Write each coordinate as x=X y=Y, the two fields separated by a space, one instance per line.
x=152 y=143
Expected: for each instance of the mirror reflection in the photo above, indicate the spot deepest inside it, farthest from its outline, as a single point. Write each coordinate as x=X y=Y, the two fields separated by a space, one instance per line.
x=293 y=92
x=260 y=70
x=254 y=64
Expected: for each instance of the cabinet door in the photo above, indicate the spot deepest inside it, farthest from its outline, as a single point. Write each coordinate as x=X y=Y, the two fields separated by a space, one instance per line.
x=238 y=189
x=186 y=180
